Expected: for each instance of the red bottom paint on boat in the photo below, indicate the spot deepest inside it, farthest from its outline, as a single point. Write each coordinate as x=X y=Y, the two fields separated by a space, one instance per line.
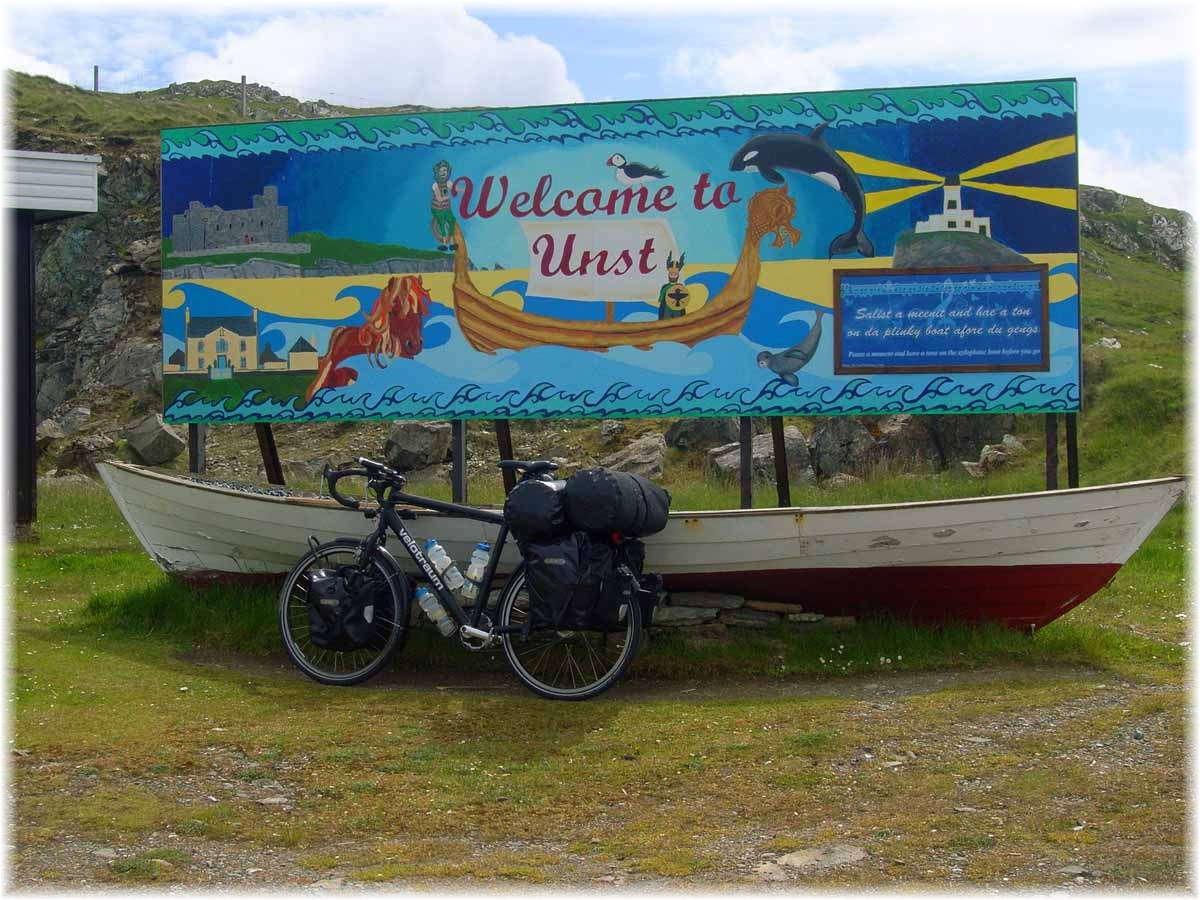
x=1020 y=596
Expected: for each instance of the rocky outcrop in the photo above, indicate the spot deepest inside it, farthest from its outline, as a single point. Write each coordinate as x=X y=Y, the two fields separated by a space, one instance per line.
x=860 y=445
x=1132 y=226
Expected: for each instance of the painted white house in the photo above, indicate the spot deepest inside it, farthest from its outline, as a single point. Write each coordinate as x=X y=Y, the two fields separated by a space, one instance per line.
x=953 y=217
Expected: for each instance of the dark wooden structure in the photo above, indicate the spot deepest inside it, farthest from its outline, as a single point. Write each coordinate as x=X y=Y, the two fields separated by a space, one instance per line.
x=41 y=187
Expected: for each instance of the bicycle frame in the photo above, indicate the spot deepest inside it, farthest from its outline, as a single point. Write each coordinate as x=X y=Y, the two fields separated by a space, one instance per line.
x=391 y=519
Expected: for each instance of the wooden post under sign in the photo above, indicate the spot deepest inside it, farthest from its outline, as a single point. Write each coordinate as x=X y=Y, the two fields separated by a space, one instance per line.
x=197 y=458
x=1052 y=451
x=270 y=455
x=458 y=460
x=782 y=483
x=1072 y=450
x=504 y=445
x=745 y=446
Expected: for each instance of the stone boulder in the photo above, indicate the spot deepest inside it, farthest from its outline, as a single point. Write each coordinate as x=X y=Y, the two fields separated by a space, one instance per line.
x=416 y=445
x=963 y=437
x=727 y=459
x=839 y=443
x=48 y=431
x=643 y=457
x=610 y=430
x=701 y=434
x=153 y=442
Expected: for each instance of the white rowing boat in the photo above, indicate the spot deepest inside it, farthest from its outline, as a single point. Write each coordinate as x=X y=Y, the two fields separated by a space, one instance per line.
x=1023 y=559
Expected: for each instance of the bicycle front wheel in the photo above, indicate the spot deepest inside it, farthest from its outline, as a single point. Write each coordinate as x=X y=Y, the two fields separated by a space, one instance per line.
x=378 y=601
x=565 y=665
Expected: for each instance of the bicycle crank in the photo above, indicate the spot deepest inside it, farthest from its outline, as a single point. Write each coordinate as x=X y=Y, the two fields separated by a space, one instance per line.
x=477 y=639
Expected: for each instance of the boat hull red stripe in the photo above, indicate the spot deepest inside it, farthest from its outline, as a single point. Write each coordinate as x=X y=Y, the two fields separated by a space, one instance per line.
x=1015 y=595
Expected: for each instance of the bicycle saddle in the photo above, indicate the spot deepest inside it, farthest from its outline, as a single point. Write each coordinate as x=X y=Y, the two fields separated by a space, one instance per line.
x=536 y=467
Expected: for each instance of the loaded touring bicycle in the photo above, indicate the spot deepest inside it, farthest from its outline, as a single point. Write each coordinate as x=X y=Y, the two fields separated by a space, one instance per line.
x=569 y=619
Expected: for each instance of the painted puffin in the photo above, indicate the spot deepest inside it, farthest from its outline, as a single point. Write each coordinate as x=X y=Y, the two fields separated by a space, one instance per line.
x=633 y=172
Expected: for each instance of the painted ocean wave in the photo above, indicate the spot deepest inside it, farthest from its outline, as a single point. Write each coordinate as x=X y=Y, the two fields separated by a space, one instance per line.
x=608 y=121
x=427 y=387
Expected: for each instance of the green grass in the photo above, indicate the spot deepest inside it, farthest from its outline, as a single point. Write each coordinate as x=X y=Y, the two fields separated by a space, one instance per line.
x=127 y=731
x=67 y=113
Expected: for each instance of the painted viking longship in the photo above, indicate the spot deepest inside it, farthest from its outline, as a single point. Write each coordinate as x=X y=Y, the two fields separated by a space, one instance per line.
x=490 y=324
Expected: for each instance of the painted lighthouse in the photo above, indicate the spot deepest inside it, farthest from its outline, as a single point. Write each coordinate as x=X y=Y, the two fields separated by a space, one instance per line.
x=953 y=217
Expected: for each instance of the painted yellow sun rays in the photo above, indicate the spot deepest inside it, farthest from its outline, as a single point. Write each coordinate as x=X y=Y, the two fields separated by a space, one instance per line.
x=1065 y=198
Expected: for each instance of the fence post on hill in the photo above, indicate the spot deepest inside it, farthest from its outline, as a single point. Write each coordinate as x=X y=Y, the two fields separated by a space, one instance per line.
x=243 y=96
x=270 y=455
x=458 y=460
x=197 y=458
x=1072 y=450
x=782 y=484
x=1052 y=451
x=745 y=448
x=504 y=445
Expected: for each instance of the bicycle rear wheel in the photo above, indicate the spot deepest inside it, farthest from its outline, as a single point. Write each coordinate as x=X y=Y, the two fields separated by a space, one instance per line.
x=565 y=665
x=375 y=595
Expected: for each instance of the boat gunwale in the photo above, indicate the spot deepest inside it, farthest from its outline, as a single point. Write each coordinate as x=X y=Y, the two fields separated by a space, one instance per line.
x=329 y=502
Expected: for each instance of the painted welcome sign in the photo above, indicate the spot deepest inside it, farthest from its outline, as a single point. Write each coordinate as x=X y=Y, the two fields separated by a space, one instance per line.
x=909 y=249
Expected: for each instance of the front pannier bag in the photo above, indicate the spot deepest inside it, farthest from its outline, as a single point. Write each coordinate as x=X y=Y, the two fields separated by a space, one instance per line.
x=603 y=501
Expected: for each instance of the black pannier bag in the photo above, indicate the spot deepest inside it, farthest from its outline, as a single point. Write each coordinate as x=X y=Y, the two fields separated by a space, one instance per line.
x=571 y=584
x=631 y=557
x=341 y=609
x=536 y=510
x=603 y=501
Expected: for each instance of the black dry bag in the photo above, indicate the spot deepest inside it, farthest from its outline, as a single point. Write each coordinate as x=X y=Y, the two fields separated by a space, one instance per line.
x=536 y=510
x=604 y=501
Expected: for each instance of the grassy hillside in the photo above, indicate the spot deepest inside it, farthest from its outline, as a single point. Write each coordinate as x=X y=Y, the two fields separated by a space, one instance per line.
x=53 y=111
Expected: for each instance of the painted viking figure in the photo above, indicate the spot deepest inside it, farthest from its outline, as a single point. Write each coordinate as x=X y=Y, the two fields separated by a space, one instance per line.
x=673 y=296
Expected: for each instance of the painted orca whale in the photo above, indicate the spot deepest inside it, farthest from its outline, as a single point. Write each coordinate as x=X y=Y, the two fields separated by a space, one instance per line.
x=809 y=154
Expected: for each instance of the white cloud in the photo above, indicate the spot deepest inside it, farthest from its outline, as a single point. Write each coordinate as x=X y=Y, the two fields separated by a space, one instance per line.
x=436 y=57
x=783 y=54
x=23 y=62
x=1164 y=179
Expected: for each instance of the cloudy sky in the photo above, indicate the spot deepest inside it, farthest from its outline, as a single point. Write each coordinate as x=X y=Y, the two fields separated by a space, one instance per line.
x=1131 y=59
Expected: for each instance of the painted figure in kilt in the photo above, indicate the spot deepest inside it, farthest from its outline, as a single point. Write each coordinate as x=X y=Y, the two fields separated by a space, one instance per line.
x=442 y=224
